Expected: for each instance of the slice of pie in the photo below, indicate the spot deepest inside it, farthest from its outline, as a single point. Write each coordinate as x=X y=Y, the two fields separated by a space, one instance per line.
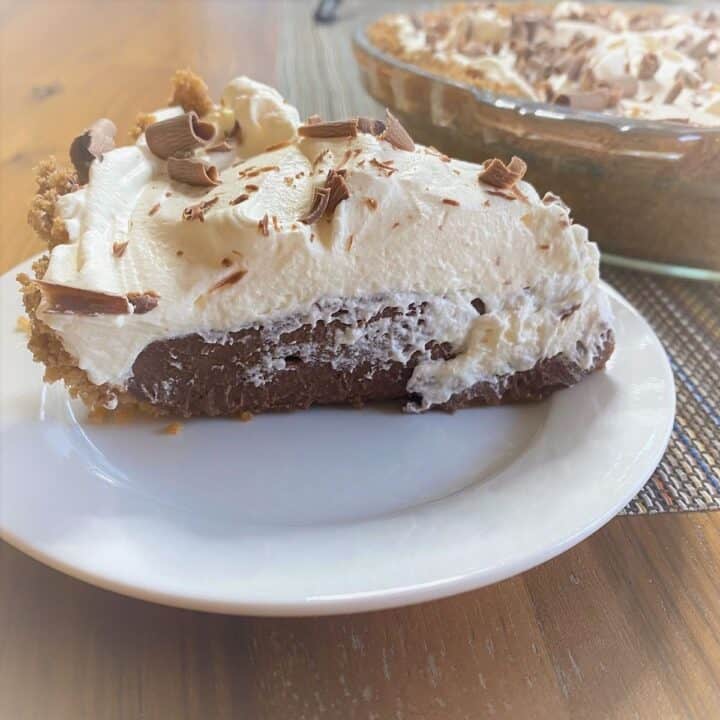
x=235 y=259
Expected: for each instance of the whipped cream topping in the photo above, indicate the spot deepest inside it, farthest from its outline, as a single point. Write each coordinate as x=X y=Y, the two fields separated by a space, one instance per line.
x=613 y=49
x=415 y=224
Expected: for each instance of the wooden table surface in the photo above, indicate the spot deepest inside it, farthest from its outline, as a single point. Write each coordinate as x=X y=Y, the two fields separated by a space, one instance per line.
x=626 y=625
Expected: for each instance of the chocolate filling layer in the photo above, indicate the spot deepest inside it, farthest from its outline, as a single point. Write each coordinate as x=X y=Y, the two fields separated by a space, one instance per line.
x=253 y=370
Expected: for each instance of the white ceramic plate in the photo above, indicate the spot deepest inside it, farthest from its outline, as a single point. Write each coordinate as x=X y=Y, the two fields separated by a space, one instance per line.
x=331 y=510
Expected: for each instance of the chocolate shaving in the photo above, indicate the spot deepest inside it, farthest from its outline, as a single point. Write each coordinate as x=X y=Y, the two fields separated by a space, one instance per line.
x=430 y=150
x=178 y=134
x=673 y=93
x=143 y=302
x=154 y=209
x=264 y=225
x=278 y=146
x=396 y=134
x=371 y=203
x=252 y=188
x=502 y=194
x=230 y=279
x=450 y=201
x=320 y=157
x=496 y=173
x=193 y=172
x=318 y=206
x=701 y=48
x=334 y=129
x=575 y=67
x=346 y=156
x=275 y=223
x=649 y=65
x=67 y=299
x=239 y=199
x=567 y=312
x=197 y=212
x=99 y=138
x=385 y=166
x=118 y=248
x=688 y=79
x=370 y=126
x=224 y=146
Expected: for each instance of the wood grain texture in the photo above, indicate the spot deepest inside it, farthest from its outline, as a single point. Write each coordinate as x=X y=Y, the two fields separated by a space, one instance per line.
x=627 y=625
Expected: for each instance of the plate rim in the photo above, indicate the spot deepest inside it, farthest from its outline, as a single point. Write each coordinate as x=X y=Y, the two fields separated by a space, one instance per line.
x=379 y=598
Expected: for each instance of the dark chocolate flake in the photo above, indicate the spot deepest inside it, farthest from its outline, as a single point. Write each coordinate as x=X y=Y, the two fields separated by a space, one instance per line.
x=239 y=199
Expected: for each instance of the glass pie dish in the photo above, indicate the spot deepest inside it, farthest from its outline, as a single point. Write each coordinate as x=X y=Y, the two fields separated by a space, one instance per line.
x=648 y=191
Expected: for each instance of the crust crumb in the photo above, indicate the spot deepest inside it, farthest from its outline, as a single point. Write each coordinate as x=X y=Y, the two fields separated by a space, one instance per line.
x=190 y=91
x=52 y=182
x=23 y=325
x=142 y=120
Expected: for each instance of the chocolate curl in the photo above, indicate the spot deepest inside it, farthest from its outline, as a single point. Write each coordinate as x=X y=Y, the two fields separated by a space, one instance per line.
x=68 y=299
x=396 y=134
x=193 y=172
x=338 y=188
x=318 y=207
x=99 y=138
x=178 y=134
x=334 y=129
x=496 y=173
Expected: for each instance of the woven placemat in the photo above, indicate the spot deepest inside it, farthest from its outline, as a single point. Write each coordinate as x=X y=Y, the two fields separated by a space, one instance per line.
x=685 y=314
x=317 y=72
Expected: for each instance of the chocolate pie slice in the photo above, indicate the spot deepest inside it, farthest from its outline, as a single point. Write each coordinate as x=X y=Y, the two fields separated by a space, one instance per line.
x=235 y=259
